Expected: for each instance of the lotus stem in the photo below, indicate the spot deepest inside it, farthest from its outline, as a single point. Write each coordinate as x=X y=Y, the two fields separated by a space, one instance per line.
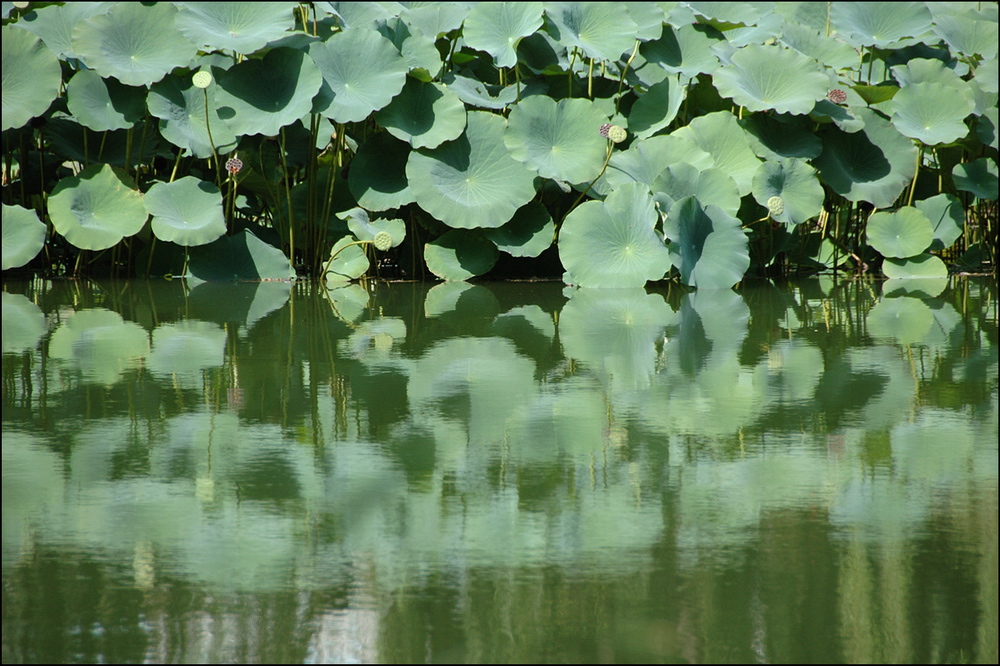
x=382 y=241
x=916 y=174
x=607 y=159
x=621 y=79
x=288 y=197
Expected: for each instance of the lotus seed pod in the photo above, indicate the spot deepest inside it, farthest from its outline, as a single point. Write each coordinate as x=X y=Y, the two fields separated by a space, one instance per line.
x=617 y=134
x=383 y=241
x=837 y=96
x=234 y=165
x=775 y=206
x=604 y=130
x=201 y=79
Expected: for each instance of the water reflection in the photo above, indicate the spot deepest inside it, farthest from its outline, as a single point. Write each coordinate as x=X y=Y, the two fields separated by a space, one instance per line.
x=503 y=472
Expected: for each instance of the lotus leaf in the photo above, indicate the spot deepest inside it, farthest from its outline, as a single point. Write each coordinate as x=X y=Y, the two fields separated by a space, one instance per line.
x=424 y=114
x=986 y=128
x=729 y=12
x=134 y=43
x=903 y=233
x=54 y=23
x=683 y=180
x=558 y=139
x=797 y=186
x=241 y=256
x=23 y=323
x=647 y=158
x=262 y=96
x=349 y=261
x=418 y=50
x=967 y=31
x=23 y=236
x=365 y=229
x=600 y=29
x=349 y=301
x=657 y=108
x=361 y=14
x=772 y=78
x=435 y=18
x=472 y=181
x=978 y=177
x=720 y=135
x=919 y=114
x=497 y=27
x=187 y=211
x=96 y=209
x=475 y=93
x=527 y=234
x=811 y=42
x=685 y=50
x=242 y=27
x=613 y=243
x=180 y=106
x=708 y=246
x=649 y=18
x=31 y=77
x=880 y=24
x=777 y=137
x=378 y=174
x=947 y=218
x=920 y=266
x=103 y=105
x=359 y=84
x=460 y=254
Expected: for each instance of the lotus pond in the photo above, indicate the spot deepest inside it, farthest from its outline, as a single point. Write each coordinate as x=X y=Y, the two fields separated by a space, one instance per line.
x=499 y=472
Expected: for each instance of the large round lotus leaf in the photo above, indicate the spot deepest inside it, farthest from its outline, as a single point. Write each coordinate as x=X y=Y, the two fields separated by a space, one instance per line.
x=471 y=181
x=920 y=266
x=100 y=344
x=54 y=23
x=814 y=43
x=967 y=31
x=241 y=256
x=776 y=137
x=23 y=236
x=31 y=77
x=560 y=140
x=903 y=233
x=978 y=177
x=135 y=43
x=377 y=177
x=180 y=106
x=23 y=323
x=527 y=234
x=880 y=24
x=104 y=104
x=262 y=96
x=364 y=228
x=187 y=211
x=685 y=50
x=772 y=78
x=243 y=27
x=460 y=254
x=612 y=243
x=350 y=261
x=421 y=56
x=424 y=114
x=708 y=246
x=918 y=112
x=930 y=70
x=657 y=108
x=720 y=135
x=363 y=71
x=795 y=183
x=96 y=209
x=602 y=30
x=902 y=320
x=947 y=218
x=683 y=180
x=647 y=158
x=497 y=27
x=435 y=18
x=872 y=165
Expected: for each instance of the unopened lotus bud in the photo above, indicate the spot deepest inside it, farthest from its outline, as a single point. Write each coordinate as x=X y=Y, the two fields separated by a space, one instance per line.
x=383 y=241
x=775 y=206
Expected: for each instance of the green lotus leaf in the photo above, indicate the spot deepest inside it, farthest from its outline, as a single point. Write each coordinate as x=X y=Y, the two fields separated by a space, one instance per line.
x=881 y=24
x=903 y=233
x=31 y=77
x=683 y=180
x=497 y=27
x=471 y=181
x=435 y=18
x=477 y=94
x=986 y=128
x=350 y=261
x=729 y=12
x=967 y=31
x=560 y=140
x=720 y=135
x=361 y=14
x=814 y=43
x=182 y=351
x=377 y=177
x=23 y=236
x=883 y=92
x=978 y=177
x=262 y=96
x=421 y=56
x=647 y=158
x=947 y=219
x=919 y=114
x=902 y=320
x=424 y=114
x=925 y=287
x=54 y=23
x=96 y=209
x=774 y=137
x=921 y=266
x=772 y=78
x=101 y=104
x=685 y=50
x=796 y=184
x=460 y=254
x=100 y=344
x=708 y=246
x=930 y=70
x=527 y=234
x=657 y=108
x=602 y=30
x=187 y=211
x=360 y=84
x=872 y=165
x=241 y=256
x=242 y=27
x=134 y=43
x=612 y=243
x=23 y=322
x=180 y=106
x=365 y=229
x=72 y=141
x=649 y=18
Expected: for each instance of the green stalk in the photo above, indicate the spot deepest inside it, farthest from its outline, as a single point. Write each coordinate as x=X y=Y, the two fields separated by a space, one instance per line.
x=916 y=174
x=621 y=79
x=208 y=126
x=288 y=197
x=590 y=185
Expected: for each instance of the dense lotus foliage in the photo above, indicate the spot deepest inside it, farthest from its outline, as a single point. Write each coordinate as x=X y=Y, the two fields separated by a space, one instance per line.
x=611 y=143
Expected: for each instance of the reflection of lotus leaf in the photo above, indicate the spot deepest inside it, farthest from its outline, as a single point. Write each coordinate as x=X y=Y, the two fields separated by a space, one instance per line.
x=183 y=350
x=903 y=320
x=23 y=323
x=372 y=341
x=101 y=344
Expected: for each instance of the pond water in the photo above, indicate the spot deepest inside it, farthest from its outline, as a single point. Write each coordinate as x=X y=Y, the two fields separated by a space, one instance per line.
x=510 y=472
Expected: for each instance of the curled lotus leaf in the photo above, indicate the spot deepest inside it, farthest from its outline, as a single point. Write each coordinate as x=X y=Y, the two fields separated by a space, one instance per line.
x=794 y=184
x=424 y=114
x=460 y=254
x=527 y=234
x=31 y=77
x=104 y=104
x=926 y=266
x=947 y=218
x=772 y=78
x=498 y=27
x=720 y=135
x=23 y=237
x=377 y=177
x=684 y=180
x=708 y=245
x=978 y=177
x=180 y=106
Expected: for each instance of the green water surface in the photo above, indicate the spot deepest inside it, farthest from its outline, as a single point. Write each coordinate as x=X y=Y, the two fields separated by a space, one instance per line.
x=512 y=472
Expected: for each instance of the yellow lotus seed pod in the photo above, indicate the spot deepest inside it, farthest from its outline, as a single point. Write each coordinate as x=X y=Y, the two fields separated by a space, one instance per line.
x=383 y=241
x=201 y=79
x=775 y=206
x=617 y=134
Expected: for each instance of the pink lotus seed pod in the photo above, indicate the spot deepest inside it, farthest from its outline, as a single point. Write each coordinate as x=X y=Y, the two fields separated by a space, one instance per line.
x=604 y=130
x=837 y=96
x=234 y=165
